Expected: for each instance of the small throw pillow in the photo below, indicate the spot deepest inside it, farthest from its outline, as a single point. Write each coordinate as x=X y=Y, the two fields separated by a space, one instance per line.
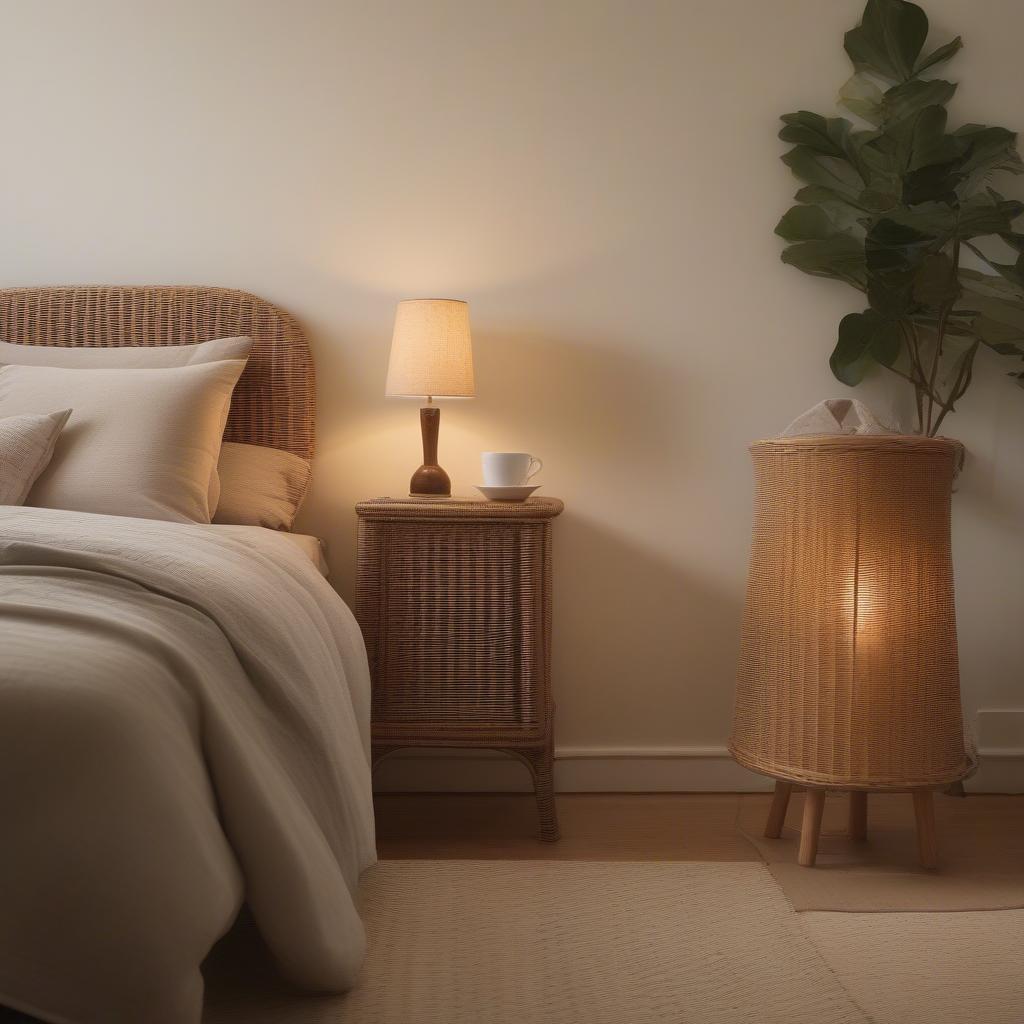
x=141 y=443
x=125 y=357
x=260 y=486
x=26 y=444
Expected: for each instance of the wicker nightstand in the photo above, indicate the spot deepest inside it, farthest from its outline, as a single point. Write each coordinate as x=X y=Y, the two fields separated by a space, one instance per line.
x=454 y=600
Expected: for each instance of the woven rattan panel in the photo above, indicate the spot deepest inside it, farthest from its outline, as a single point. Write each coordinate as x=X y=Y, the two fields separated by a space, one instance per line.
x=454 y=601
x=274 y=402
x=457 y=644
x=848 y=669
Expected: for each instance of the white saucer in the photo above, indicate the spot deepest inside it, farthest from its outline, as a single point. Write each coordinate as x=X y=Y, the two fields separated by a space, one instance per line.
x=520 y=493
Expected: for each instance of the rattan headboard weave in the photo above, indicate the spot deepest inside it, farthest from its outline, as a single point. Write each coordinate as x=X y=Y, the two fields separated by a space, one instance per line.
x=274 y=402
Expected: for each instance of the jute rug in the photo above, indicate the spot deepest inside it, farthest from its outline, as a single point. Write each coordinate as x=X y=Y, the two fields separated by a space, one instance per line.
x=497 y=942
x=882 y=874
x=959 y=968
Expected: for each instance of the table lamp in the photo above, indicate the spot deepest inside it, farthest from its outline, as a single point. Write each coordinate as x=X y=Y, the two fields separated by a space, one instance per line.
x=431 y=357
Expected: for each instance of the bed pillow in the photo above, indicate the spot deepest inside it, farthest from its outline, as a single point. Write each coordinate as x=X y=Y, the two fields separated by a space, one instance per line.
x=26 y=444
x=141 y=443
x=131 y=357
x=260 y=486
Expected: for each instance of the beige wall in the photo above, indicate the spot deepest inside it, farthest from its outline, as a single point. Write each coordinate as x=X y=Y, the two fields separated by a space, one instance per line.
x=600 y=180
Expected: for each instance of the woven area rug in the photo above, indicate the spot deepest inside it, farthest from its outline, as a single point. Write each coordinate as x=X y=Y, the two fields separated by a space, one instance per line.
x=882 y=874
x=498 y=942
x=960 y=968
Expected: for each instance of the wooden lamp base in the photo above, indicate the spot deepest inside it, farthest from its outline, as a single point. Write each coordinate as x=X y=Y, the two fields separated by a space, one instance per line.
x=430 y=480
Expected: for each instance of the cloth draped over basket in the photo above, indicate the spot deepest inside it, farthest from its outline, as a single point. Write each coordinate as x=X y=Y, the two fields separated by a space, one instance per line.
x=848 y=672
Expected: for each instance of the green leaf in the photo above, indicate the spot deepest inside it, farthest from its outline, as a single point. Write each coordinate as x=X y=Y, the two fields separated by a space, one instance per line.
x=801 y=223
x=863 y=338
x=935 y=284
x=909 y=97
x=845 y=213
x=862 y=97
x=929 y=143
x=824 y=135
x=851 y=356
x=985 y=215
x=893 y=255
x=886 y=342
x=1014 y=240
x=938 y=55
x=986 y=152
x=996 y=307
x=830 y=172
x=889 y=39
x=840 y=257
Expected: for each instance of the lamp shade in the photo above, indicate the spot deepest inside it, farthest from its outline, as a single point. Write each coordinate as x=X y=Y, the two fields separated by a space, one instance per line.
x=848 y=672
x=431 y=350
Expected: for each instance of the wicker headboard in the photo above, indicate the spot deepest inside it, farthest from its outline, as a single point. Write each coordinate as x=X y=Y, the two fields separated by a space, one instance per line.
x=275 y=401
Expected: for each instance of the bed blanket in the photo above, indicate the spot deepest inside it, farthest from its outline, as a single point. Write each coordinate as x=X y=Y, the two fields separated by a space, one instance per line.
x=184 y=726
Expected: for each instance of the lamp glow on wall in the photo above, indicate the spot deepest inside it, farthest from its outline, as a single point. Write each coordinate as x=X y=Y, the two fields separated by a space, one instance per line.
x=848 y=672
x=431 y=357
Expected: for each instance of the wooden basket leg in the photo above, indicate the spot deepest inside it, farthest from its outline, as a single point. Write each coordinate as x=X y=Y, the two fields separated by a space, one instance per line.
x=927 y=842
x=858 y=815
x=810 y=829
x=777 y=813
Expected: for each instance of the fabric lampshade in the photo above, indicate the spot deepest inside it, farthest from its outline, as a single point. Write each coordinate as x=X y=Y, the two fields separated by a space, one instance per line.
x=848 y=671
x=431 y=350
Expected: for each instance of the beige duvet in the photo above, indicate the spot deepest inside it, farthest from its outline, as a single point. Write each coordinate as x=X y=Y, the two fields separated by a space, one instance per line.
x=184 y=719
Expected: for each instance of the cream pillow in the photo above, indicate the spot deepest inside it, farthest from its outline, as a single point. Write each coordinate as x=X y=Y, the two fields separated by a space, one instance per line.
x=26 y=444
x=140 y=443
x=130 y=357
x=260 y=486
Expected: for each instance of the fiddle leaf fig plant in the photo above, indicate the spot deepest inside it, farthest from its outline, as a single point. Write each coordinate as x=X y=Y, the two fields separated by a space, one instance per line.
x=904 y=209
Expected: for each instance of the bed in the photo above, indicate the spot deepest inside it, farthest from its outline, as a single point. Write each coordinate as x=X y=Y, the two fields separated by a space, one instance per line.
x=184 y=712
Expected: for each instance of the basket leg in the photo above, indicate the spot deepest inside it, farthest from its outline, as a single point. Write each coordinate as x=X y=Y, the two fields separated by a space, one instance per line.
x=927 y=842
x=777 y=813
x=810 y=829
x=858 y=815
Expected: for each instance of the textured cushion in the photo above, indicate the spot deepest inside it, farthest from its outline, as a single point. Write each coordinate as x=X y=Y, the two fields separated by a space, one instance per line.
x=139 y=443
x=260 y=486
x=26 y=444
x=124 y=358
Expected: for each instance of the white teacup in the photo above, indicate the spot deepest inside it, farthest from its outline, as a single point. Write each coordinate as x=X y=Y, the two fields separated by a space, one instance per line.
x=509 y=469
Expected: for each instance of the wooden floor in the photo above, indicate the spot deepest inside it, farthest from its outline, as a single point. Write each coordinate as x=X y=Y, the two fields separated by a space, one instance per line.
x=658 y=826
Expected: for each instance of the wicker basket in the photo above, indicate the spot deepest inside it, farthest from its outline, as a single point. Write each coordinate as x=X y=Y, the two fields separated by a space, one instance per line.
x=848 y=668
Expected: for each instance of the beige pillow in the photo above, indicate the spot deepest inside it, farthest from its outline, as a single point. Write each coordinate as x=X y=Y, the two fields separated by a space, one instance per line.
x=140 y=443
x=124 y=358
x=26 y=444
x=260 y=486
x=131 y=357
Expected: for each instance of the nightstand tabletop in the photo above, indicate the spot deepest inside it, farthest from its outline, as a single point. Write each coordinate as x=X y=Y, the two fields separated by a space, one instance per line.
x=458 y=508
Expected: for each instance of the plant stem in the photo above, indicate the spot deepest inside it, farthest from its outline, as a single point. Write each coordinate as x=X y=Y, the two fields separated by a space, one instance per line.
x=963 y=379
x=940 y=334
x=916 y=375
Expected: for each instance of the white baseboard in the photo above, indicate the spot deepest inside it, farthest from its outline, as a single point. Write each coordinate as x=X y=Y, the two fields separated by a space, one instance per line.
x=1001 y=770
x=624 y=770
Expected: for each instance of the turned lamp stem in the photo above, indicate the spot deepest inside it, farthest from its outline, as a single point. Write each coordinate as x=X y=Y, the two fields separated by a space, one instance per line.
x=430 y=479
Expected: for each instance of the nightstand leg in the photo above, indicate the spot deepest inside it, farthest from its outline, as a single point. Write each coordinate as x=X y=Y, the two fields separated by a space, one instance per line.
x=544 y=783
x=542 y=770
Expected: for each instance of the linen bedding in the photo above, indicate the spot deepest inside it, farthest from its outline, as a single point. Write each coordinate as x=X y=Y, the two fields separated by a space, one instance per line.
x=184 y=725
